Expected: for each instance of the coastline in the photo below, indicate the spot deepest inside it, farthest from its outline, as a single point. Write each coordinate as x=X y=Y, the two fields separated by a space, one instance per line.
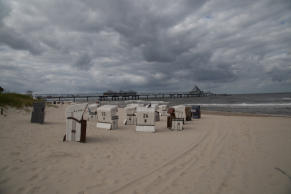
x=226 y=113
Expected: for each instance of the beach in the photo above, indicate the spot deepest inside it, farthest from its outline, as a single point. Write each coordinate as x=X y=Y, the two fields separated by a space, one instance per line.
x=219 y=153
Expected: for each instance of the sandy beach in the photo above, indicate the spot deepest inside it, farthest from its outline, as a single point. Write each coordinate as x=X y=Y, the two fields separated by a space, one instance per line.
x=215 y=154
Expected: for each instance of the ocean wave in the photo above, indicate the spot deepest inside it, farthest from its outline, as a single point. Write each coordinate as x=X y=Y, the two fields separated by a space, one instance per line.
x=246 y=105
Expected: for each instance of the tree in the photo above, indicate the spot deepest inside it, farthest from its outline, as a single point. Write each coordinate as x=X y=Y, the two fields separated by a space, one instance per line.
x=1 y=89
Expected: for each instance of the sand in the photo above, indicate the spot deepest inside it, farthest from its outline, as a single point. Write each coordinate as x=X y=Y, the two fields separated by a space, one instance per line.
x=216 y=154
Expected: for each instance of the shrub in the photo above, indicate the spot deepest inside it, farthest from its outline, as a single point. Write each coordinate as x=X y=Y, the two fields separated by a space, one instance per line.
x=15 y=100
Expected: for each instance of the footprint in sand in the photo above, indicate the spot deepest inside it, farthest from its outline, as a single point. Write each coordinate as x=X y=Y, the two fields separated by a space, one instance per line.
x=33 y=177
x=4 y=180
x=4 y=168
x=34 y=189
x=14 y=153
x=20 y=189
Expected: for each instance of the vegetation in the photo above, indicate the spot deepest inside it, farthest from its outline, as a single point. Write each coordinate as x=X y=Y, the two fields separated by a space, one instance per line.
x=1 y=89
x=15 y=100
x=29 y=92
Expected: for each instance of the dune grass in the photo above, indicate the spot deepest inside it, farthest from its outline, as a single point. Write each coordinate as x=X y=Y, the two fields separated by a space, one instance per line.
x=15 y=100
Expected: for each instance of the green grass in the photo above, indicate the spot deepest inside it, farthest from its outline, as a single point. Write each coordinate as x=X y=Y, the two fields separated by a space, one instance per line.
x=15 y=100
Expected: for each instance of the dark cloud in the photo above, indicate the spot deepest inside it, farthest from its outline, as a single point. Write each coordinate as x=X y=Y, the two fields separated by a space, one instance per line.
x=4 y=11
x=10 y=37
x=280 y=75
x=88 y=45
x=84 y=62
x=17 y=41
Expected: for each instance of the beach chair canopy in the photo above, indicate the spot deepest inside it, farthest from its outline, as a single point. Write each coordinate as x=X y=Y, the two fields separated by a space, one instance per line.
x=93 y=107
x=38 y=112
x=145 y=109
x=107 y=113
x=130 y=110
x=108 y=108
x=77 y=111
x=163 y=107
x=145 y=116
x=180 y=111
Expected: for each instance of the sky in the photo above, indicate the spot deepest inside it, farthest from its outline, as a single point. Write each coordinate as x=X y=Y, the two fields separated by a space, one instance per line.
x=88 y=46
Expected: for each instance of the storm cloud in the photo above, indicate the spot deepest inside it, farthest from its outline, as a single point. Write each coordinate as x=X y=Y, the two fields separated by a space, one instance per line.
x=54 y=46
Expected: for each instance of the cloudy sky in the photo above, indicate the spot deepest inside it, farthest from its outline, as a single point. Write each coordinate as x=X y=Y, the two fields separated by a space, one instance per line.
x=68 y=46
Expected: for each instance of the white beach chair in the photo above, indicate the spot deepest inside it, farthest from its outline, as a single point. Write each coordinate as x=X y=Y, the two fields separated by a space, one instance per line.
x=163 y=109
x=92 y=111
x=177 y=124
x=180 y=112
x=145 y=119
x=107 y=117
x=130 y=115
x=75 y=123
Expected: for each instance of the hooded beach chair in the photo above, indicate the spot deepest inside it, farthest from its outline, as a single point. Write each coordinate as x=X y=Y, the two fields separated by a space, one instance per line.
x=163 y=109
x=92 y=110
x=145 y=119
x=107 y=117
x=130 y=111
x=180 y=112
x=196 y=113
x=75 y=123
x=173 y=122
x=38 y=112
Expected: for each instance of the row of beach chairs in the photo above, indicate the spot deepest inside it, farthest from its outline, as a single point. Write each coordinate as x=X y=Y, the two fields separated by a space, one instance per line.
x=143 y=117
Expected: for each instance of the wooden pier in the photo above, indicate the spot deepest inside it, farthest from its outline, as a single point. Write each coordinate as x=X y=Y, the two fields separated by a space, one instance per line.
x=148 y=96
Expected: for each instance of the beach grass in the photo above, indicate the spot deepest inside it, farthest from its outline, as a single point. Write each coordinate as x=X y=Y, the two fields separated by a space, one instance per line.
x=15 y=100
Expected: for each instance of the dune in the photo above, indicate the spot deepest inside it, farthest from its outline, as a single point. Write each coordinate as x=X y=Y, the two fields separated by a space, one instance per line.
x=219 y=153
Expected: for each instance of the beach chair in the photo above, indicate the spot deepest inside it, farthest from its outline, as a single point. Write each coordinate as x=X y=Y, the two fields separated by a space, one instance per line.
x=130 y=111
x=180 y=112
x=38 y=112
x=170 y=117
x=107 y=117
x=157 y=113
x=175 y=120
x=177 y=124
x=163 y=110
x=145 y=119
x=75 y=123
x=188 y=113
x=195 y=111
x=92 y=111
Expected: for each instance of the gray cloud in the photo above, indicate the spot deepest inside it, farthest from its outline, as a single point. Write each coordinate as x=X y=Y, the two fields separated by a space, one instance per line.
x=83 y=62
x=87 y=46
x=280 y=75
x=17 y=41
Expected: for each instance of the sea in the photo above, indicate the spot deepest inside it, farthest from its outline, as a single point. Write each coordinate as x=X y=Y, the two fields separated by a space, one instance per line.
x=267 y=104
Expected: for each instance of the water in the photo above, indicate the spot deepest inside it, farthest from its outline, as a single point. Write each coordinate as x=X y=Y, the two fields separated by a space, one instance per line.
x=274 y=104
x=271 y=103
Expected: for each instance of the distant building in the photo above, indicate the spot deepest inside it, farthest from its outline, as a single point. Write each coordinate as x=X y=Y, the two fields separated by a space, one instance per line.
x=196 y=90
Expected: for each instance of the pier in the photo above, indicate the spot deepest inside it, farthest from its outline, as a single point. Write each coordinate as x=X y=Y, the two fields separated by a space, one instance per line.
x=145 y=96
